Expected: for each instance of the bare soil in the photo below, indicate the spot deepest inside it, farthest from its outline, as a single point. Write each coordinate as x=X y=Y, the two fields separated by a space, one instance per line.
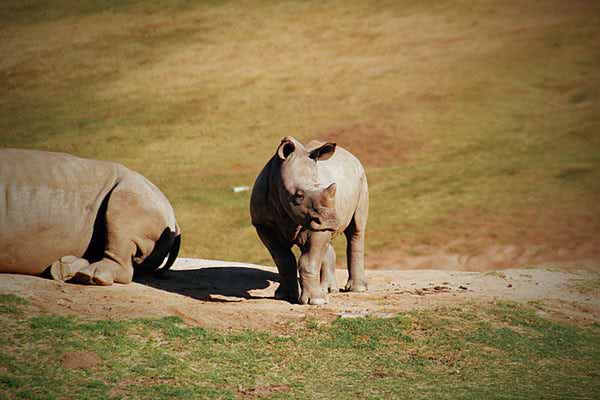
x=229 y=295
x=80 y=359
x=477 y=241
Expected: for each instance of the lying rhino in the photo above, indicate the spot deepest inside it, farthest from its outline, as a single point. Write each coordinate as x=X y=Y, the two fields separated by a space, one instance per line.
x=304 y=196
x=92 y=221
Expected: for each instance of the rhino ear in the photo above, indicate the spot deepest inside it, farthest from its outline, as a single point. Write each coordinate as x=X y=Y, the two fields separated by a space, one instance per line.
x=324 y=152
x=286 y=147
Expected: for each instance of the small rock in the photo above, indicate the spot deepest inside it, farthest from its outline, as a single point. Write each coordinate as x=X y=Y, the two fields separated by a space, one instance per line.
x=509 y=285
x=353 y=314
x=383 y=315
x=462 y=287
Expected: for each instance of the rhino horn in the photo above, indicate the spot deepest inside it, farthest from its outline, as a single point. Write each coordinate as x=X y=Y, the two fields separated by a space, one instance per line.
x=328 y=198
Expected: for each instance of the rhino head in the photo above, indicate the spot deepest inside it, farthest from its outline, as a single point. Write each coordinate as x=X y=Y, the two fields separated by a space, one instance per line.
x=305 y=201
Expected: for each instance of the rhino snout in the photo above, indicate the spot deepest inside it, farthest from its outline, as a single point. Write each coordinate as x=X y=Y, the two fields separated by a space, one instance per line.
x=315 y=223
x=325 y=220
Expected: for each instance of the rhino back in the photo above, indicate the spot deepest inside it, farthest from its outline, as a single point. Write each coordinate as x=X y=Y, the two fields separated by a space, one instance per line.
x=48 y=205
x=346 y=171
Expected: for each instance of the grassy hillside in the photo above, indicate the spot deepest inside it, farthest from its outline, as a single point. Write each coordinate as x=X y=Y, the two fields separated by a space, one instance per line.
x=479 y=124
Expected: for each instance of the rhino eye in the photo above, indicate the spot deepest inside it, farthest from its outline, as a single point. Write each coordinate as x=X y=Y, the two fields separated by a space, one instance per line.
x=298 y=198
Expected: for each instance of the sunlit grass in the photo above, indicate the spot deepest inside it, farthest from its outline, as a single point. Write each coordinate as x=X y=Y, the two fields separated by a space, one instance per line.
x=501 y=350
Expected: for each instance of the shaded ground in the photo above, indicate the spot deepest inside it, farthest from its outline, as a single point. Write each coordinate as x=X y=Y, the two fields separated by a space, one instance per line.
x=227 y=295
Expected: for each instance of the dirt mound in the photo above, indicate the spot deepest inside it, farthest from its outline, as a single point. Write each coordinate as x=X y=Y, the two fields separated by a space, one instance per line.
x=228 y=295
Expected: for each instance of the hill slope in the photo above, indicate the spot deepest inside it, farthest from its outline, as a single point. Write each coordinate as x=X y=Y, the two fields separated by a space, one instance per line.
x=478 y=125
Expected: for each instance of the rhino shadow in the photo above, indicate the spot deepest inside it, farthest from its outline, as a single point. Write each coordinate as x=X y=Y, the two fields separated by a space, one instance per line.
x=202 y=282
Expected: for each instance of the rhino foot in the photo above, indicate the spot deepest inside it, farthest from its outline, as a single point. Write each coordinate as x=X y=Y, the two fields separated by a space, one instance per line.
x=84 y=277
x=354 y=285
x=284 y=293
x=67 y=267
x=288 y=290
x=315 y=300
x=92 y=275
x=329 y=287
x=103 y=278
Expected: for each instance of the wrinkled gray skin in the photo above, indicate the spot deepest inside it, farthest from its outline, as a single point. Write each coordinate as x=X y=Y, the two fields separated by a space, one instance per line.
x=91 y=221
x=305 y=196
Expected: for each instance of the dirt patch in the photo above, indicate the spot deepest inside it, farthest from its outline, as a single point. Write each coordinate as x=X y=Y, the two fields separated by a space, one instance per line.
x=372 y=145
x=190 y=290
x=80 y=359
x=263 y=391
x=489 y=257
x=478 y=240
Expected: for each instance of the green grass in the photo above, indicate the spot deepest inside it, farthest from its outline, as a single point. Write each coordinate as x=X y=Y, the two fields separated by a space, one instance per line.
x=9 y=304
x=502 y=350
x=485 y=121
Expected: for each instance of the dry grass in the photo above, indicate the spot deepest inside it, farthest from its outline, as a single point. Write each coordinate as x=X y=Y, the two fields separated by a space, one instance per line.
x=487 y=111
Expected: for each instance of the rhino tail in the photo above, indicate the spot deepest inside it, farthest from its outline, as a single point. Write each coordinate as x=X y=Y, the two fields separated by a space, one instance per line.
x=167 y=246
x=172 y=253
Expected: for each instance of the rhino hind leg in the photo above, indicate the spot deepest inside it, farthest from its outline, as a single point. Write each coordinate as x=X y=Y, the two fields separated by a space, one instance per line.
x=104 y=272
x=355 y=244
x=115 y=266
x=127 y=224
x=357 y=281
x=328 y=279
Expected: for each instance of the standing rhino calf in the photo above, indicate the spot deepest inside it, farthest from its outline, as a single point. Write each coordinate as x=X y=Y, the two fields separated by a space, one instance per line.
x=92 y=221
x=304 y=196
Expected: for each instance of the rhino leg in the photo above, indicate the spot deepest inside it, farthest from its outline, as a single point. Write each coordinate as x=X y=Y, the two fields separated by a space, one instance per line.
x=313 y=253
x=328 y=279
x=355 y=245
x=286 y=264
x=127 y=225
x=67 y=267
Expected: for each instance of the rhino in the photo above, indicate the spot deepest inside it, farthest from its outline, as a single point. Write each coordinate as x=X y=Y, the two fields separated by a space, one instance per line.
x=305 y=196
x=82 y=220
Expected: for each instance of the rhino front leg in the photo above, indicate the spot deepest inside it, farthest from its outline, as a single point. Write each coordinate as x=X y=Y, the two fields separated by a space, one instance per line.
x=286 y=264
x=67 y=267
x=328 y=279
x=310 y=268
